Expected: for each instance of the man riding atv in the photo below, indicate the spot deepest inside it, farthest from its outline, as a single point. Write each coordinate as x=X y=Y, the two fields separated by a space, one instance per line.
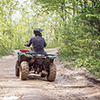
x=38 y=42
x=35 y=61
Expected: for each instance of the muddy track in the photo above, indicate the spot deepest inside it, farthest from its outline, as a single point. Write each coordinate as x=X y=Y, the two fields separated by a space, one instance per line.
x=70 y=84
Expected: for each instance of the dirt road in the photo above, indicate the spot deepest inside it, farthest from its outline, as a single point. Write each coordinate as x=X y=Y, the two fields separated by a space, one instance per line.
x=70 y=84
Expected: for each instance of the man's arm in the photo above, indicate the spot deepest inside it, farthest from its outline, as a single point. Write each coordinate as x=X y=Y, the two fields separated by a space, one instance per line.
x=45 y=43
x=29 y=43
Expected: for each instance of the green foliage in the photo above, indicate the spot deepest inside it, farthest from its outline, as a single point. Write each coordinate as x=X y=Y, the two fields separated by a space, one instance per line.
x=6 y=32
x=17 y=22
x=82 y=38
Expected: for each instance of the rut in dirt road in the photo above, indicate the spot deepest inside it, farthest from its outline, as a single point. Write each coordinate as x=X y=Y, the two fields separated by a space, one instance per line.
x=70 y=84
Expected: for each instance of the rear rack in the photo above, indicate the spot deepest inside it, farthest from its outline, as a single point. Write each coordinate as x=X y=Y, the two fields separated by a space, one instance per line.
x=27 y=54
x=51 y=56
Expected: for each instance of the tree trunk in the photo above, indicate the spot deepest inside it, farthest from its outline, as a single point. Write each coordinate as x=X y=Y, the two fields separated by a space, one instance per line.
x=73 y=9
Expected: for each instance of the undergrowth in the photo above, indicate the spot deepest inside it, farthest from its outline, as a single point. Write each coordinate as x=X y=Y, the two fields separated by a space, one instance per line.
x=88 y=63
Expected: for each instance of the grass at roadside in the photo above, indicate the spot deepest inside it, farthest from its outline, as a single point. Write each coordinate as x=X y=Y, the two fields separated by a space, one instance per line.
x=1 y=55
x=5 y=54
x=70 y=61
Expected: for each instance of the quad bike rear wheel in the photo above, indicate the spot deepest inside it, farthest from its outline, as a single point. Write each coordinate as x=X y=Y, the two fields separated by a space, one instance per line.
x=52 y=72
x=16 y=69
x=24 y=70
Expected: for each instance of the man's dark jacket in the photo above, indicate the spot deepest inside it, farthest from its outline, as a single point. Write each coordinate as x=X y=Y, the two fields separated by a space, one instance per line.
x=38 y=43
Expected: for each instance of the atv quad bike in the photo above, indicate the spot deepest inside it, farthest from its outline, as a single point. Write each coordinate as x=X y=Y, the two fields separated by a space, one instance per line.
x=42 y=64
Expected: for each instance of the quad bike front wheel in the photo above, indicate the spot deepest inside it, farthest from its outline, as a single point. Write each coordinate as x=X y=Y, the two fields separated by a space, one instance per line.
x=24 y=70
x=16 y=69
x=52 y=72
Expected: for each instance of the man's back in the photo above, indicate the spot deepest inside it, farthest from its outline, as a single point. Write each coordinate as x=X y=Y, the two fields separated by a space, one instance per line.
x=38 y=43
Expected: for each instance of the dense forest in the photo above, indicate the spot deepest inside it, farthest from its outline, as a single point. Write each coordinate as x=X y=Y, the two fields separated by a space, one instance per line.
x=71 y=25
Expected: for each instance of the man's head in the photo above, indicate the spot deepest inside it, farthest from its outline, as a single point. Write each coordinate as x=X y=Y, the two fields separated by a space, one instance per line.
x=38 y=31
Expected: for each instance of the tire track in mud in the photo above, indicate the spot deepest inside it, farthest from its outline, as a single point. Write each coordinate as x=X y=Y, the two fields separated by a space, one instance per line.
x=70 y=84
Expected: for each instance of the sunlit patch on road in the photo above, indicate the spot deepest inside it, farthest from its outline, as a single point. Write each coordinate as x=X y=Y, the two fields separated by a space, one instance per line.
x=9 y=98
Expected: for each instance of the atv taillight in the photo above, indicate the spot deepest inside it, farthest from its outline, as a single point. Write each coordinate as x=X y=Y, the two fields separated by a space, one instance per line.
x=24 y=50
x=40 y=58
